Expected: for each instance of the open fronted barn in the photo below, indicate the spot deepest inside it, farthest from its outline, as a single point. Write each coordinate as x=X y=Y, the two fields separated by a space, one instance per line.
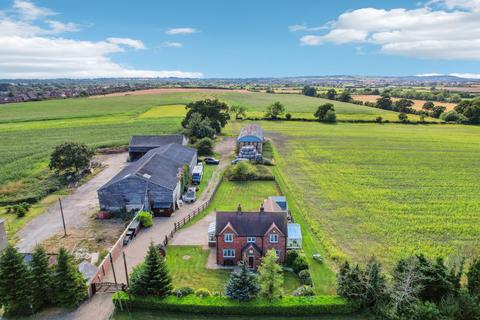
x=140 y=145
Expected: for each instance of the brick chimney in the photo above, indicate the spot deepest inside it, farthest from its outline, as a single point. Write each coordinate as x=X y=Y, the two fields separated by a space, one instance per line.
x=262 y=209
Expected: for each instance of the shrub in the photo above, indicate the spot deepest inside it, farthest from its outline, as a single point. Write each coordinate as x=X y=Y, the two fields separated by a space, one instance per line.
x=204 y=146
x=304 y=291
x=378 y=119
x=330 y=117
x=300 y=263
x=145 y=219
x=245 y=170
x=292 y=255
x=202 y=293
x=20 y=211
x=288 y=116
x=183 y=292
x=453 y=116
x=305 y=277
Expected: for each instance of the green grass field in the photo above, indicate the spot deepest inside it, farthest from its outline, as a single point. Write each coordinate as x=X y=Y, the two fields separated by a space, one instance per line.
x=383 y=190
x=30 y=131
x=187 y=266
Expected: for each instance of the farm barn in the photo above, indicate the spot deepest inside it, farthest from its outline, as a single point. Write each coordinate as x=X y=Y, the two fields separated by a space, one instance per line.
x=251 y=135
x=140 y=145
x=154 y=180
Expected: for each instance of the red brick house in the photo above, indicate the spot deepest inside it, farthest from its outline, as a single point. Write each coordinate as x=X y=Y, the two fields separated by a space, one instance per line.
x=249 y=235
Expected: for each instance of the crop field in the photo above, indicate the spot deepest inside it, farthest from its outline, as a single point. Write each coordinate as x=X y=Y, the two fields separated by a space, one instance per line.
x=384 y=190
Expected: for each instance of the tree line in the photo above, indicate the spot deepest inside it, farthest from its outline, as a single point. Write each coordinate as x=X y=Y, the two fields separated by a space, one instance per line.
x=419 y=289
x=28 y=288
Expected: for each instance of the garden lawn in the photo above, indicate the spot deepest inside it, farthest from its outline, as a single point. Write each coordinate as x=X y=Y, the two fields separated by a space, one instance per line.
x=187 y=266
x=384 y=190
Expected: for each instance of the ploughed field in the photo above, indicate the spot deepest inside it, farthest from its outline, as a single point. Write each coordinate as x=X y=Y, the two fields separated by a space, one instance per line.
x=387 y=190
x=29 y=131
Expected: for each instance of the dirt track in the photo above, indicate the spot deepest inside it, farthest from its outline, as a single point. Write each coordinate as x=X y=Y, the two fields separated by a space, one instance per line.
x=163 y=90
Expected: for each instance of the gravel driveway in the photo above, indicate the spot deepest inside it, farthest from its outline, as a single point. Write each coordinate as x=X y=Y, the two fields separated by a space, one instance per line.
x=76 y=206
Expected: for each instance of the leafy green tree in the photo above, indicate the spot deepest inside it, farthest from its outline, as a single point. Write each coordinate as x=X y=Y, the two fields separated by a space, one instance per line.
x=41 y=279
x=473 y=276
x=204 y=146
x=345 y=96
x=404 y=105
x=330 y=117
x=68 y=282
x=331 y=94
x=15 y=293
x=275 y=110
x=384 y=102
x=270 y=276
x=351 y=284
x=199 y=128
x=215 y=111
x=428 y=106
x=242 y=285
x=309 y=91
x=322 y=111
x=473 y=113
x=453 y=116
x=70 y=158
x=238 y=111
x=402 y=117
x=152 y=278
x=437 y=111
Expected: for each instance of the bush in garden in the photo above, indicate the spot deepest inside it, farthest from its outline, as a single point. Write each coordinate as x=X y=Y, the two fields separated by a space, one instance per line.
x=183 y=292
x=242 y=285
x=305 y=277
x=300 y=263
x=242 y=171
x=292 y=255
x=145 y=219
x=304 y=291
x=204 y=146
x=270 y=276
x=202 y=293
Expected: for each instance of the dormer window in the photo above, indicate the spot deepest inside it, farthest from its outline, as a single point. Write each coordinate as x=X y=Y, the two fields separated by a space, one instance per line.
x=228 y=237
x=273 y=238
x=251 y=239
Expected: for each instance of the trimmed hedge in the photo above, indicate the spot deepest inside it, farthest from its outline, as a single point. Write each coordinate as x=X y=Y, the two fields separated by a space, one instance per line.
x=287 y=306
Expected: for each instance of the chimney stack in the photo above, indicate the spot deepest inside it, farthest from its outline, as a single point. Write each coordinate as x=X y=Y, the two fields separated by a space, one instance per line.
x=239 y=209
x=262 y=209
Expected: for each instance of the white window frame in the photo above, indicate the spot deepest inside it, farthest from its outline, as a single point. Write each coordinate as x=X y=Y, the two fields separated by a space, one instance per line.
x=251 y=239
x=228 y=237
x=229 y=253
x=273 y=238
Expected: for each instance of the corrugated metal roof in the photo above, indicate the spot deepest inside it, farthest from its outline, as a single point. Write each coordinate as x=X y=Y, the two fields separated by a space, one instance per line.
x=155 y=141
x=159 y=166
x=251 y=133
x=294 y=231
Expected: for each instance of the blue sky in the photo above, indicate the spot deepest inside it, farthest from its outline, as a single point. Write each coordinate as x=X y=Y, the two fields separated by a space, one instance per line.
x=58 y=38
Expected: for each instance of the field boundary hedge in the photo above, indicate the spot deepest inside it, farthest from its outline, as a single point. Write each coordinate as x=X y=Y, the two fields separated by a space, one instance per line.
x=348 y=121
x=286 y=306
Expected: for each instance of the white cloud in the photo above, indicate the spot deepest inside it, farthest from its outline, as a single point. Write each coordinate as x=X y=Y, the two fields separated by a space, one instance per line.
x=302 y=27
x=459 y=75
x=172 y=44
x=135 y=44
x=29 y=50
x=29 y=11
x=437 y=30
x=177 y=31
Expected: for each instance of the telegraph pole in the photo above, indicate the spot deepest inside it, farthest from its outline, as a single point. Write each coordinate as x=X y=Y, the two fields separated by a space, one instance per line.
x=63 y=218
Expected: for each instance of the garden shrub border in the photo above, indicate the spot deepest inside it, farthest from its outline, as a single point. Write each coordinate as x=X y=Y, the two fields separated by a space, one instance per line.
x=287 y=306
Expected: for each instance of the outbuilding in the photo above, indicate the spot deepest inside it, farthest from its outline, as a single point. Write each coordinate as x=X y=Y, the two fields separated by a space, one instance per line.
x=251 y=135
x=153 y=182
x=140 y=145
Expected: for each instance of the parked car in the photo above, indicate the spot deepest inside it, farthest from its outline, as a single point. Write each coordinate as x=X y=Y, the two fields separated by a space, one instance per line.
x=190 y=196
x=211 y=160
x=237 y=160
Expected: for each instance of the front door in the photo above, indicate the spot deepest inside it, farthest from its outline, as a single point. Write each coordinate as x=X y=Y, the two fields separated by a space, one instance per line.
x=251 y=262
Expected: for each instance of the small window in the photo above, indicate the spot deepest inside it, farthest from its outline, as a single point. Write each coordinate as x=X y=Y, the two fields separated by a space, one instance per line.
x=251 y=239
x=228 y=253
x=278 y=253
x=228 y=237
x=273 y=238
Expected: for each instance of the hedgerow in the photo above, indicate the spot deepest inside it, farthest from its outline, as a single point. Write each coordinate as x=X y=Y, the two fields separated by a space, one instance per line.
x=287 y=306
